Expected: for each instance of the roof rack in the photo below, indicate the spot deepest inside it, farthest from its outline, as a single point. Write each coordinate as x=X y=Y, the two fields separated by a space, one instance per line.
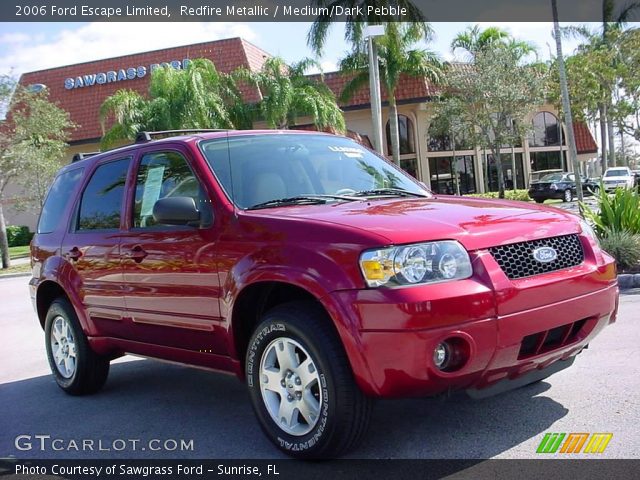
x=81 y=156
x=142 y=137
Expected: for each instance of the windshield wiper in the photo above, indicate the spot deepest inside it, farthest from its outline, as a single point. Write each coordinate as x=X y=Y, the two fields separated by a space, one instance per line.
x=398 y=192
x=301 y=200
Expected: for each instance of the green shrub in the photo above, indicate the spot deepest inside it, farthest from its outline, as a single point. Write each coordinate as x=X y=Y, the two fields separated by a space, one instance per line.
x=617 y=212
x=521 y=195
x=623 y=246
x=18 y=235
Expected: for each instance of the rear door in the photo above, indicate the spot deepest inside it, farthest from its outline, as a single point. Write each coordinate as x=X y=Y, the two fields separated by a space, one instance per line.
x=170 y=272
x=92 y=245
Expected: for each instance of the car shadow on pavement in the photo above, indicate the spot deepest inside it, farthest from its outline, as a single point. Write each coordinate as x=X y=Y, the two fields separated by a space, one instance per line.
x=460 y=427
x=147 y=400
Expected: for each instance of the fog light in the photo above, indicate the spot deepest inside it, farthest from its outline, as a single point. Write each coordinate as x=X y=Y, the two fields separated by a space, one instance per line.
x=441 y=356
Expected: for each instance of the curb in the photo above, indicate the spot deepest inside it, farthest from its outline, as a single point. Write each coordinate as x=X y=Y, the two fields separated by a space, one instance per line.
x=15 y=275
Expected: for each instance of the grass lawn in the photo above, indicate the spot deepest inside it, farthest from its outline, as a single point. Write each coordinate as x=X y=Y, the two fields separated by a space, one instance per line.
x=25 y=268
x=18 y=252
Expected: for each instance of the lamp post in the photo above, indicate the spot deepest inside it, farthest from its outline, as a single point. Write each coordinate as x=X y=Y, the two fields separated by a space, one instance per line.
x=370 y=33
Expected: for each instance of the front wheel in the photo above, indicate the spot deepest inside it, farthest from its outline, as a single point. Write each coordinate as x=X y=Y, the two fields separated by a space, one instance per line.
x=301 y=385
x=78 y=370
x=539 y=200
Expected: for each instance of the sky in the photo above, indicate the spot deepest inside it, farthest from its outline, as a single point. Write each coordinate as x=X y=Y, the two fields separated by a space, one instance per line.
x=26 y=47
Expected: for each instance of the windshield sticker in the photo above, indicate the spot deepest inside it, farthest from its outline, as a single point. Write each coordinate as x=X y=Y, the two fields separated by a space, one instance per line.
x=348 y=151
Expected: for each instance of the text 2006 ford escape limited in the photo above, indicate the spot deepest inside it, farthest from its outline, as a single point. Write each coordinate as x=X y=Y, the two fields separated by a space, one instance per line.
x=317 y=272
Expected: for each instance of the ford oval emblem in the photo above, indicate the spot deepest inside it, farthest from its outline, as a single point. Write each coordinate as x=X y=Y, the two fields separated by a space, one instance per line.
x=545 y=254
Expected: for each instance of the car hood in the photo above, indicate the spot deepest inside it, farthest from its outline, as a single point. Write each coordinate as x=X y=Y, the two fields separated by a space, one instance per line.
x=476 y=223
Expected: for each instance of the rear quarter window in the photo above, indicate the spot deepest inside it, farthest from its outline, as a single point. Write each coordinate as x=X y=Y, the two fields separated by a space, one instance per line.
x=59 y=196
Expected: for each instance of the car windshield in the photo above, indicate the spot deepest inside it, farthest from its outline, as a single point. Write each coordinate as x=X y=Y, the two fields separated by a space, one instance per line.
x=261 y=171
x=620 y=172
x=552 y=177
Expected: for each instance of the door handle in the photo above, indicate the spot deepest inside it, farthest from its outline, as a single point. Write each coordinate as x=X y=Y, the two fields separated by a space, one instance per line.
x=74 y=254
x=137 y=254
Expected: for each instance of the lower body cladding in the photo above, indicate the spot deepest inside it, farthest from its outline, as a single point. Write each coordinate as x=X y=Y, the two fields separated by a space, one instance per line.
x=483 y=356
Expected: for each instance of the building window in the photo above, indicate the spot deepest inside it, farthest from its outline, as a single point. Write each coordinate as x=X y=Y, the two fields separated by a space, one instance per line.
x=406 y=134
x=507 y=171
x=546 y=130
x=443 y=172
x=441 y=142
x=546 y=161
x=410 y=165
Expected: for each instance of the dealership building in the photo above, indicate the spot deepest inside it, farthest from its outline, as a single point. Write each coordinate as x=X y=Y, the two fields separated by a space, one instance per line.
x=432 y=158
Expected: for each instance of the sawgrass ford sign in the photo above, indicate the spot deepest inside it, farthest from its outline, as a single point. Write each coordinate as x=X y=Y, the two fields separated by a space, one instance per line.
x=119 y=75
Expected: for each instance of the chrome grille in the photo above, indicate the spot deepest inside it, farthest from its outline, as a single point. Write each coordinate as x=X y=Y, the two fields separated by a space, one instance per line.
x=516 y=260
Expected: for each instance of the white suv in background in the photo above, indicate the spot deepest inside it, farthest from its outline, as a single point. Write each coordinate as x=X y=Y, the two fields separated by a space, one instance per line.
x=618 y=177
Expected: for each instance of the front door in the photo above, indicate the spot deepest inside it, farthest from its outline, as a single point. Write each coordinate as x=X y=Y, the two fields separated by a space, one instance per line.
x=170 y=275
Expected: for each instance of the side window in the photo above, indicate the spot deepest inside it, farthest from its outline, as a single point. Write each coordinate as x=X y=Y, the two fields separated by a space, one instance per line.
x=161 y=175
x=57 y=200
x=101 y=201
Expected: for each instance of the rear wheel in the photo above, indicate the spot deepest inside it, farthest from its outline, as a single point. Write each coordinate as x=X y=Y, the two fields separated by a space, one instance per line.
x=78 y=370
x=567 y=196
x=301 y=385
x=539 y=200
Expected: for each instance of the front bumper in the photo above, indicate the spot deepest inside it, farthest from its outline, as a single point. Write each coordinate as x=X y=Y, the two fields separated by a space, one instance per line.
x=546 y=194
x=512 y=328
x=612 y=186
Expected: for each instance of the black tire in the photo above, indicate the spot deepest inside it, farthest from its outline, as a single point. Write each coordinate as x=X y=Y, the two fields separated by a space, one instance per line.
x=344 y=410
x=539 y=200
x=91 y=370
x=567 y=195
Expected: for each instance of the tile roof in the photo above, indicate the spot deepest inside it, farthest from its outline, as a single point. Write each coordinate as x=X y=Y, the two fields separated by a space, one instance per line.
x=84 y=103
x=585 y=143
x=409 y=88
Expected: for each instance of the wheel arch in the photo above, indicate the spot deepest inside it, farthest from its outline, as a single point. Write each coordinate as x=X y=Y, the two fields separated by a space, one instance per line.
x=257 y=298
x=48 y=291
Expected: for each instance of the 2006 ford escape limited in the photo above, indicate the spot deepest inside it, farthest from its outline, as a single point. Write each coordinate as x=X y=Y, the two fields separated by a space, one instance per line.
x=311 y=268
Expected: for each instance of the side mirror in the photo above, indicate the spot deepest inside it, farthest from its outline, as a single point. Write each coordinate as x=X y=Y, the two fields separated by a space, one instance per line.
x=176 y=211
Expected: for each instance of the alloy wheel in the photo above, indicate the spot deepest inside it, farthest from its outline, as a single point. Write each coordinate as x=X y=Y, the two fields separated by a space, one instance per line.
x=290 y=386
x=63 y=347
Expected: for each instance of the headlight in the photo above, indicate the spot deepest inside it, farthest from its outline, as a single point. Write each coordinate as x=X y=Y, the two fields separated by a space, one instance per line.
x=414 y=264
x=589 y=232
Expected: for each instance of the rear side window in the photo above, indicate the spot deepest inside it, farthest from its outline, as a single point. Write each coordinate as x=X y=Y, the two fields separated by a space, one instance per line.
x=58 y=199
x=101 y=201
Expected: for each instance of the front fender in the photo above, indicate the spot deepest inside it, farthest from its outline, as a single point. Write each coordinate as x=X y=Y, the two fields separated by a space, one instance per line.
x=319 y=277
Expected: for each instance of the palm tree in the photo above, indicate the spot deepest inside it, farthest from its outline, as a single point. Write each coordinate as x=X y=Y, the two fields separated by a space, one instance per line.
x=196 y=97
x=356 y=21
x=606 y=37
x=397 y=58
x=474 y=40
x=288 y=93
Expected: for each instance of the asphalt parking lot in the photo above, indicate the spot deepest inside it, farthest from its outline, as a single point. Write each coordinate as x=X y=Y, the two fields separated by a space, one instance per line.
x=148 y=400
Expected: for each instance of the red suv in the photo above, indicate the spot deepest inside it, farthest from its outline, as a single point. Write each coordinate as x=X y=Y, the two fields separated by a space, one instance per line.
x=313 y=269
